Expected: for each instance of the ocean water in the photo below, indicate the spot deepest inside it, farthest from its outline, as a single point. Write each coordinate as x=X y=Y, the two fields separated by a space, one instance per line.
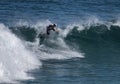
x=85 y=51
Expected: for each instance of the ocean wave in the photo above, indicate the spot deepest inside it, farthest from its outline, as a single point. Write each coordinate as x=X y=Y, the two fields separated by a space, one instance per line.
x=73 y=41
x=92 y=30
x=97 y=32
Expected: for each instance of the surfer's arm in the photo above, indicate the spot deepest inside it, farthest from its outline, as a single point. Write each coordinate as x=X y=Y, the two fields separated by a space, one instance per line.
x=56 y=30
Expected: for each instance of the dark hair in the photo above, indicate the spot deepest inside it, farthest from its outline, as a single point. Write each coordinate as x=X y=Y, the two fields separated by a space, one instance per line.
x=54 y=25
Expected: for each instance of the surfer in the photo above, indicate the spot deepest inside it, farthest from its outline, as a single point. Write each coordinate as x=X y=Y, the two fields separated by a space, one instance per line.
x=51 y=27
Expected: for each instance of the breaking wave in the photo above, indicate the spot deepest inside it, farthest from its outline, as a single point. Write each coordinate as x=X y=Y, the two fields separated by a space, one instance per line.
x=15 y=59
x=21 y=50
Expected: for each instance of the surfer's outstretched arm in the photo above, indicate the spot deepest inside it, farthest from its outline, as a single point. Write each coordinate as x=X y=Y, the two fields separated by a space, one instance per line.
x=56 y=30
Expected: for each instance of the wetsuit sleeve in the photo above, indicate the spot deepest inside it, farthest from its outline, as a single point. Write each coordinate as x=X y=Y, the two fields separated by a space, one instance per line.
x=48 y=30
x=53 y=29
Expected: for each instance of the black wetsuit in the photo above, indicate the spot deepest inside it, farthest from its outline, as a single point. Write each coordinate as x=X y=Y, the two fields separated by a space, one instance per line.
x=43 y=36
x=50 y=27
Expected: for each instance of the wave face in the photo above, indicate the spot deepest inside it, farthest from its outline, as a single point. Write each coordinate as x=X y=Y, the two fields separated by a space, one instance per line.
x=53 y=47
x=95 y=33
x=74 y=33
x=85 y=37
x=89 y=33
x=77 y=34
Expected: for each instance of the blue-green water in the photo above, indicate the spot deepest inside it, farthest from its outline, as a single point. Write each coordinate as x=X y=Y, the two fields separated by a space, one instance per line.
x=86 y=51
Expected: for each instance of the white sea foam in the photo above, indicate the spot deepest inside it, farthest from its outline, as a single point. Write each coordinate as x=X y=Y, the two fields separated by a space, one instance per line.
x=15 y=59
x=117 y=23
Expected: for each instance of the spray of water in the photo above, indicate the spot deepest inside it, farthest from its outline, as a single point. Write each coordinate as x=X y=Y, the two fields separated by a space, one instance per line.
x=15 y=59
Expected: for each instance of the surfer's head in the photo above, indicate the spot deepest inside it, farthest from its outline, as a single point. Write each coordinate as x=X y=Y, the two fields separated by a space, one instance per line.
x=54 y=25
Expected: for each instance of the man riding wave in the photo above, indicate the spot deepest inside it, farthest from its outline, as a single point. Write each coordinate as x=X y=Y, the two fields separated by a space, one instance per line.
x=51 y=27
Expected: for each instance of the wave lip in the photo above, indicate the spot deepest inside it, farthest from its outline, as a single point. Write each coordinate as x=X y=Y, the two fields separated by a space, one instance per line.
x=94 y=32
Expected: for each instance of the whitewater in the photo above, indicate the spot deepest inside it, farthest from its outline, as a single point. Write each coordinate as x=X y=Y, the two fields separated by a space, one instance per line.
x=19 y=56
x=15 y=59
